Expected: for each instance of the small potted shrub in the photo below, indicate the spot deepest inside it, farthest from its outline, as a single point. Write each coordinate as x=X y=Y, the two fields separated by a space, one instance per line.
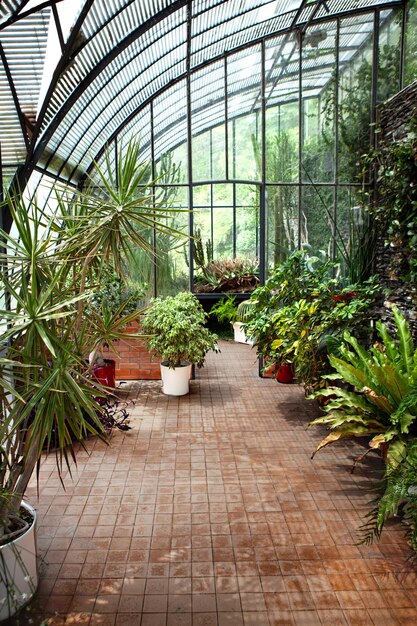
x=176 y=332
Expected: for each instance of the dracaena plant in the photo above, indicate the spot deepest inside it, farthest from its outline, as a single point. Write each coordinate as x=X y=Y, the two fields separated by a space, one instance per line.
x=383 y=403
x=47 y=263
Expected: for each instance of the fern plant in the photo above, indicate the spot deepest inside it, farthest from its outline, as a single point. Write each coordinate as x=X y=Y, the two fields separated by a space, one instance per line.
x=398 y=494
x=384 y=401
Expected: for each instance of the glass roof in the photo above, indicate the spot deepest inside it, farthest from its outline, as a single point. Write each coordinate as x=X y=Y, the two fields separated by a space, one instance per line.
x=120 y=55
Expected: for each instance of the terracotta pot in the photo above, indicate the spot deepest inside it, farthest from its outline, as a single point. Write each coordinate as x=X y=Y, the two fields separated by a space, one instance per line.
x=106 y=374
x=285 y=373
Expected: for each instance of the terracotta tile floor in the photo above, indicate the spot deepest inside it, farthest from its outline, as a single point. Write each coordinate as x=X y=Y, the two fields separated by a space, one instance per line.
x=210 y=512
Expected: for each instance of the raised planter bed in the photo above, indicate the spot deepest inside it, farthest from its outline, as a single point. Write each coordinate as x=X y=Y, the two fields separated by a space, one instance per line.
x=133 y=361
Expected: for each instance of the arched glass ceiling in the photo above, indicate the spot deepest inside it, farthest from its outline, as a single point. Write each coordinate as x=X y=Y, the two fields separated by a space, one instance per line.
x=119 y=55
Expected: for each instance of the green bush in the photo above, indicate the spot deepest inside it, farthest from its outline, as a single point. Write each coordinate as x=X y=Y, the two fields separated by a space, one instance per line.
x=176 y=329
x=301 y=307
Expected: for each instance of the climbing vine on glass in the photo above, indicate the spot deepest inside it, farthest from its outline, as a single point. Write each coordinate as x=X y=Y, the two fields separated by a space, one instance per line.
x=395 y=206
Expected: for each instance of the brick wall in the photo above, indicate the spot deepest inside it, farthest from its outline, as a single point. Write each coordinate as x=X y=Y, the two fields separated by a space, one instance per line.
x=133 y=361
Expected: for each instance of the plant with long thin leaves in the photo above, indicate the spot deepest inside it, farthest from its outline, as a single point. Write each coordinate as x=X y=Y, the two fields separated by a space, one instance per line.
x=50 y=266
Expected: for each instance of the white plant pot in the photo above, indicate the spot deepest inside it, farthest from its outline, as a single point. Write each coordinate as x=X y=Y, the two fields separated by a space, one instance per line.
x=176 y=382
x=239 y=333
x=18 y=570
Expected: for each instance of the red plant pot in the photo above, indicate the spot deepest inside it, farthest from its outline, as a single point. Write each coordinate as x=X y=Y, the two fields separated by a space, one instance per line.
x=106 y=374
x=344 y=297
x=285 y=373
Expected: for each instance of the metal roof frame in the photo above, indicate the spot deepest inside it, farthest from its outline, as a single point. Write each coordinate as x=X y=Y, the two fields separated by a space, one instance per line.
x=209 y=23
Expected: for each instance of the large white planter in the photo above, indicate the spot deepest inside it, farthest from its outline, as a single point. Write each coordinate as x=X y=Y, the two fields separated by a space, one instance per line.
x=18 y=570
x=176 y=382
x=239 y=334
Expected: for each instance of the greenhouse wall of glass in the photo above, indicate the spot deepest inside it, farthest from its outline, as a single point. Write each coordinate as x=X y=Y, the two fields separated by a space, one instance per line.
x=253 y=117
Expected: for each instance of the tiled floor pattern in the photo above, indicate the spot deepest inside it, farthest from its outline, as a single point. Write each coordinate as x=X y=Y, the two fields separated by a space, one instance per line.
x=210 y=512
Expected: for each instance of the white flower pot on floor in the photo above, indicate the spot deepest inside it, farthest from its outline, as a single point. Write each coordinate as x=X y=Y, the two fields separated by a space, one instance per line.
x=239 y=334
x=18 y=570
x=176 y=382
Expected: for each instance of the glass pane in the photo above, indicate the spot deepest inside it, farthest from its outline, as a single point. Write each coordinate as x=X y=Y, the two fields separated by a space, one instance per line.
x=7 y=176
x=172 y=263
x=355 y=244
x=281 y=223
x=244 y=113
x=282 y=110
x=208 y=112
x=389 y=55
x=355 y=82
x=319 y=85
x=203 y=232
x=282 y=143
x=170 y=137
x=142 y=266
x=247 y=221
x=410 y=53
x=223 y=233
x=223 y=194
x=317 y=220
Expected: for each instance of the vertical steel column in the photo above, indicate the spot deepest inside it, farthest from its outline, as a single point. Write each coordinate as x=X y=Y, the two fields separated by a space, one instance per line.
x=402 y=44
x=189 y=148
x=262 y=188
x=262 y=207
x=234 y=220
x=3 y=243
x=58 y=27
x=374 y=85
x=211 y=190
x=336 y=143
x=226 y=117
x=15 y=97
x=1 y=189
x=300 y=134
x=153 y=174
x=116 y=162
x=234 y=147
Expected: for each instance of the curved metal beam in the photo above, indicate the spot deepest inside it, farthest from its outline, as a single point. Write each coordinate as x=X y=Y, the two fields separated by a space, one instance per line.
x=36 y=152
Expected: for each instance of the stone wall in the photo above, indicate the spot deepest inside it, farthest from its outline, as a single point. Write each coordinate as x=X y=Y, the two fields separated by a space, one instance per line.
x=393 y=118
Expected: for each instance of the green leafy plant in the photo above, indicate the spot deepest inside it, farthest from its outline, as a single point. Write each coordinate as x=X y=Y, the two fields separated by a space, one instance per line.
x=48 y=399
x=383 y=403
x=288 y=282
x=301 y=305
x=114 y=291
x=225 y=310
x=395 y=205
x=175 y=329
x=397 y=496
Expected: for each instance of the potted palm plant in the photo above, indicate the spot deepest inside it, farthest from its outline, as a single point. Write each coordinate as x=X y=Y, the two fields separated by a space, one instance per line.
x=174 y=329
x=48 y=397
